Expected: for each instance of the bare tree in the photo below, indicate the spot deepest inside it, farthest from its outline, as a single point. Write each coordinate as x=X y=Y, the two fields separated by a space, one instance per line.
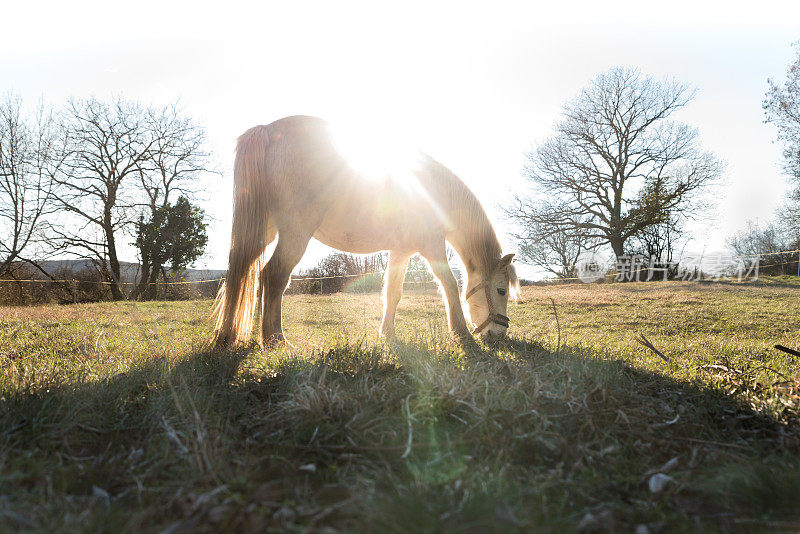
x=123 y=159
x=346 y=264
x=659 y=242
x=554 y=251
x=617 y=164
x=755 y=240
x=29 y=156
x=773 y=246
x=782 y=108
x=107 y=145
x=343 y=268
x=789 y=217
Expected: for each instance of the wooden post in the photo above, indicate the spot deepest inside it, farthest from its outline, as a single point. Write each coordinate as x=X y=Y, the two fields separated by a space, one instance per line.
x=74 y=291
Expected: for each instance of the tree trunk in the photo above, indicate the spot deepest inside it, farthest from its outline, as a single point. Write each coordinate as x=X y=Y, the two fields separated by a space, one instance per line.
x=144 y=277
x=113 y=260
x=6 y=264
x=152 y=288
x=617 y=245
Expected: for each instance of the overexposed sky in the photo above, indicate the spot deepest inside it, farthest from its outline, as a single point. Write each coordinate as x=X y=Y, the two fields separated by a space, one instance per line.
x=474 y=84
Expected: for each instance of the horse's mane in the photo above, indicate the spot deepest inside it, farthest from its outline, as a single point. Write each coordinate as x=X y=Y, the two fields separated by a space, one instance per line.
x=469 y=229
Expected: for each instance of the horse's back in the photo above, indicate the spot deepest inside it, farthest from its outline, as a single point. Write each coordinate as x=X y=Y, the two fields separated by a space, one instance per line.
x=298 y=162
x=309 y=182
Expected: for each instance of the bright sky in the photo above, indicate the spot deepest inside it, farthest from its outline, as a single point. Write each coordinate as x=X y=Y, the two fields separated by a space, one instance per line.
x=473 y=85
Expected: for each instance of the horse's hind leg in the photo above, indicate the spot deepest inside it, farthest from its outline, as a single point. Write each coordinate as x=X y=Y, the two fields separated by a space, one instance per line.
x=287 y=255
x=263 y=291
x=392 y=290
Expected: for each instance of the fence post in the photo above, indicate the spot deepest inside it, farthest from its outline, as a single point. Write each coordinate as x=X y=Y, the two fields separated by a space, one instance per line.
x=74 y=291
x=798 y=264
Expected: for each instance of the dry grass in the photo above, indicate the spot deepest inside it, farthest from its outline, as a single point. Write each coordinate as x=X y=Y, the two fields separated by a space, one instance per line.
x=117 y=417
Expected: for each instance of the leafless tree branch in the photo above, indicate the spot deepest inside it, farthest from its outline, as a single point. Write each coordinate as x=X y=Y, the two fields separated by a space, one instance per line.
x=616 y=165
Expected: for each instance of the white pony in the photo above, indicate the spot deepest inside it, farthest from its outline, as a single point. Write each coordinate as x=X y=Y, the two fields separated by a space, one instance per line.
x=292 y=180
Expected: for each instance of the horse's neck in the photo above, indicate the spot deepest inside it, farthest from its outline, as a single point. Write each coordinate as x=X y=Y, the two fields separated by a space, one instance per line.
x=475 y=242
x=469 y=230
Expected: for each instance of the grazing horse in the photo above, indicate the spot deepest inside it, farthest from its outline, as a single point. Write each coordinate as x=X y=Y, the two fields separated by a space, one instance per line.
x=292 y=179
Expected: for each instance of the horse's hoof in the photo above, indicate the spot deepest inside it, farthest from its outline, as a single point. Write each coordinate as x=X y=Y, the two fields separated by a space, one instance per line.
x=222 y=343
x=387 y=335
x=273 y=340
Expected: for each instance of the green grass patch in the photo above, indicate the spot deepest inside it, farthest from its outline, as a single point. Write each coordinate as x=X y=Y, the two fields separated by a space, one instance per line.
x=119 y=417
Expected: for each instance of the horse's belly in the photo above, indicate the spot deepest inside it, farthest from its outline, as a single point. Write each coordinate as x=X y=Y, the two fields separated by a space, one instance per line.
x=357 y=232
x=371 y=222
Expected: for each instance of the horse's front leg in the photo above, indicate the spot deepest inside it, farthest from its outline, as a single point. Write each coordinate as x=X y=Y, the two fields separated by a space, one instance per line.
x=392 y=290
x=437 y=259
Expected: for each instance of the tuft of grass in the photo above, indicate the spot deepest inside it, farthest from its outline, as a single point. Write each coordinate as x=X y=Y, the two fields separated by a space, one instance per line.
x=119 y=417
x=766 y=489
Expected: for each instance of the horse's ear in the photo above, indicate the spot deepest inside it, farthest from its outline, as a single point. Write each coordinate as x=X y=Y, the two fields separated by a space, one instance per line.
x=505 y=261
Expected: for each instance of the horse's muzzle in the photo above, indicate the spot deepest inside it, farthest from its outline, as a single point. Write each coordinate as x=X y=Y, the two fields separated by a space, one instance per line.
x=502 y=320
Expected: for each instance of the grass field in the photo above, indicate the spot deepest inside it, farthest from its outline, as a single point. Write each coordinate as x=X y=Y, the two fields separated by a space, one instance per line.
x=117 y=417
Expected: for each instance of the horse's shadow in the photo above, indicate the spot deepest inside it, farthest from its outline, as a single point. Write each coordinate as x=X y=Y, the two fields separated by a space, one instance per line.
x=271 y=432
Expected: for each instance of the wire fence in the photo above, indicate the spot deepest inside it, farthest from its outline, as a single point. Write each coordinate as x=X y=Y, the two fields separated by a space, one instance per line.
x=85 y=289
x=82 y=289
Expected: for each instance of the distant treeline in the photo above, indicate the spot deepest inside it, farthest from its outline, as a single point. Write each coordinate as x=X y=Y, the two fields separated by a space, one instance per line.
x=82 y=179
x=337 y=272
x=24 y=284
x=340 y=271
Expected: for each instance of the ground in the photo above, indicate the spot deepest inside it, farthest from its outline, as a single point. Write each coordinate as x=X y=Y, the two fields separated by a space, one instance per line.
x=119 y=417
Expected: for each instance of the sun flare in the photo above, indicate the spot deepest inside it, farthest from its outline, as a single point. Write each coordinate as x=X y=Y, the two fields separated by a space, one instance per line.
x=381 y=155
x=375 y=152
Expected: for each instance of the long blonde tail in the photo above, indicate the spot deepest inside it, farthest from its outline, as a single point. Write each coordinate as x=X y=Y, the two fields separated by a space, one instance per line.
x=237 y=299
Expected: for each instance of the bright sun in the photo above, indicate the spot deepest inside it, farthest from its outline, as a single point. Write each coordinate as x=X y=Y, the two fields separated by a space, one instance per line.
x=375 y=152
x=378 y=154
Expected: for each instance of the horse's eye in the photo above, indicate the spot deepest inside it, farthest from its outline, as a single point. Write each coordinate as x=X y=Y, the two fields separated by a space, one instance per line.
x=501 y=291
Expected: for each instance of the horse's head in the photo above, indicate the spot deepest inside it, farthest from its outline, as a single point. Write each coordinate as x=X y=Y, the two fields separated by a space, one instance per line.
x=487 y=296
